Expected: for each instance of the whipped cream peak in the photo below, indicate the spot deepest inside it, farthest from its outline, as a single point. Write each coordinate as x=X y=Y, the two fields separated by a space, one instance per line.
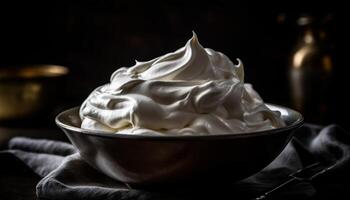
x=191 y=62
x=191 y=91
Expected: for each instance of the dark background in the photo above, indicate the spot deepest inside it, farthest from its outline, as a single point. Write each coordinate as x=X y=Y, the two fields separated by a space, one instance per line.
x=94 y=38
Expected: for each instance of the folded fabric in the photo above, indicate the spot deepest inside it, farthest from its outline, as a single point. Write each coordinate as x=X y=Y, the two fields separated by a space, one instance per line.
x=58 y=172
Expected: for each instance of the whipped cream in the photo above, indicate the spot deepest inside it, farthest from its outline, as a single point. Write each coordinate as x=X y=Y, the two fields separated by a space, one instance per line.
x=192 y=91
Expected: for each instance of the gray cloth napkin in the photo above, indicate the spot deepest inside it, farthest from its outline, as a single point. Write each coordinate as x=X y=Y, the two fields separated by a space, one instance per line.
x=58 y=172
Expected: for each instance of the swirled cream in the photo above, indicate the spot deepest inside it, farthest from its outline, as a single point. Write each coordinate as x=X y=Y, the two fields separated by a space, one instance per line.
x=192 y=91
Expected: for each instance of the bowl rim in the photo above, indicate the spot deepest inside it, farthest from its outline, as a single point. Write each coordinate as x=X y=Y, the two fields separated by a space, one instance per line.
x=295 y=124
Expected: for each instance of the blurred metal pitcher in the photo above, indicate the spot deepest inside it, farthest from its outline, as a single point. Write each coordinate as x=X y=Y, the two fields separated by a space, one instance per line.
x=310 y=71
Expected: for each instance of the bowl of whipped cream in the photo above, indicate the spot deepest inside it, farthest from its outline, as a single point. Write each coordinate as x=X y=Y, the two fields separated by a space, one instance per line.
x=186 y=116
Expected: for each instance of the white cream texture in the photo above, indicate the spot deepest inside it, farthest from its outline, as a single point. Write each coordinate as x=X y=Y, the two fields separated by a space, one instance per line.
x=192 y=91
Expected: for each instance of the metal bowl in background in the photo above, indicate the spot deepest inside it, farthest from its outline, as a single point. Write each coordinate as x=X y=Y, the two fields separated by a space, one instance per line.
x=162 y=160
x=27 y=92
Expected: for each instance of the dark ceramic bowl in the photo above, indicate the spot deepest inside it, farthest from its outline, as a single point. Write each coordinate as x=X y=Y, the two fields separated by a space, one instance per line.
x=159 y=160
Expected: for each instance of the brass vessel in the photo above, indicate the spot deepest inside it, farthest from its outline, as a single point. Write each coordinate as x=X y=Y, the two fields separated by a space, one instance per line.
x=28 y=91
